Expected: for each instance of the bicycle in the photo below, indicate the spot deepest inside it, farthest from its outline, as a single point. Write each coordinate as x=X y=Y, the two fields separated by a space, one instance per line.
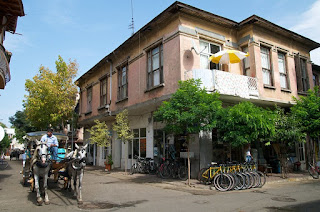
x=3 y=164
x=314 y=171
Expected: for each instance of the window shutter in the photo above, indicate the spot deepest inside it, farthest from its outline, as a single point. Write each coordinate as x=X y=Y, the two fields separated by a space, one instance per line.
x=298 y=73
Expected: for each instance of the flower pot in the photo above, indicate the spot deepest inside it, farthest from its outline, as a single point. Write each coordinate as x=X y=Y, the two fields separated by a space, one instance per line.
x=107 y=167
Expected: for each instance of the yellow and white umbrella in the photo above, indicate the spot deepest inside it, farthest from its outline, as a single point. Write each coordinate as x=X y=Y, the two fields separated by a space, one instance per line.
x=228 y=56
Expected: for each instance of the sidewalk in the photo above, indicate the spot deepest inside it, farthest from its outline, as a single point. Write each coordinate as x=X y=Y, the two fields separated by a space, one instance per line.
x=273 y=178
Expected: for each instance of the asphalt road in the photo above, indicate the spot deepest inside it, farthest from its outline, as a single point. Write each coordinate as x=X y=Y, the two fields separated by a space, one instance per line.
x=119 y=192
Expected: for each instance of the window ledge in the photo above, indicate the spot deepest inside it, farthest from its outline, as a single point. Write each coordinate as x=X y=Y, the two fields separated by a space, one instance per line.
x=304 y=93
x=286 y=90
x=102 y=107
x=269 y=87
x=120 y=100
x=155 y=87
x=88 y=113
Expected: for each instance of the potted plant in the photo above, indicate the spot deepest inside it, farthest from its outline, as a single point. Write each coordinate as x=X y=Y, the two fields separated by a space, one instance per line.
x=108 y=163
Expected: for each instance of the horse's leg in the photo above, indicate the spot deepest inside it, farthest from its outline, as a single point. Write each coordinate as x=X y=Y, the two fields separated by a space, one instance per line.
x=45 y=186
x=80 y=184
x=36 y=182
x=75 y=184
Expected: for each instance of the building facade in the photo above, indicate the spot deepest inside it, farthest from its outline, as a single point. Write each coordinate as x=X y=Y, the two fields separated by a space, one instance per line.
x=9 y=12
x=145 y=70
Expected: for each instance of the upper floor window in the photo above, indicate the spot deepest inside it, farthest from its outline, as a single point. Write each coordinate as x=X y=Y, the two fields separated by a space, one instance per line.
x=282 y=70
x=208 y=49
x=246 y=63
x=103 y=91
x=304 y=75
x=315 y=80
x=155 y=66
x=123 y=82
x=89 y=99
x=266 y=65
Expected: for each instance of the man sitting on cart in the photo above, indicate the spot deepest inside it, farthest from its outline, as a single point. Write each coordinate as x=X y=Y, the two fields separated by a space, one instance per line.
x=52 y=143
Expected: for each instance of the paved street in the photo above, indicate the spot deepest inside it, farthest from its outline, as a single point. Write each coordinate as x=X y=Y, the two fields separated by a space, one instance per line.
x=119 y=192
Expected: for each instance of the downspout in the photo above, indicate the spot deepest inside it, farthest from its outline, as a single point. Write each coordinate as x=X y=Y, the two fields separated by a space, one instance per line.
x=110 y=90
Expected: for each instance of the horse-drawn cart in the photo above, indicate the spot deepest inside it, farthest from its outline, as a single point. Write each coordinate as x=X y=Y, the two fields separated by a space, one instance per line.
x=31 y=142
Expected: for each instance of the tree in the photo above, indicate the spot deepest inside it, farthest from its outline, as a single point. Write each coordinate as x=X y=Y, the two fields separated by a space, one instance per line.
x=6 y=141
x=52 y=96
x=190 y=110
x=21 y=125
x=124 y=133
x=307 y=111
x=287 y=132
x=245 y=123
x=99 y=134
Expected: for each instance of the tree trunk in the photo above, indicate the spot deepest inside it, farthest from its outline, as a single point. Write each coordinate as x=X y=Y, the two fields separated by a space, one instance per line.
x=126 y=157
x=188 y=162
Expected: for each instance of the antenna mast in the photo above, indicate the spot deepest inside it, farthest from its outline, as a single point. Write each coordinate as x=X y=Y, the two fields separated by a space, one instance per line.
x=131 y=26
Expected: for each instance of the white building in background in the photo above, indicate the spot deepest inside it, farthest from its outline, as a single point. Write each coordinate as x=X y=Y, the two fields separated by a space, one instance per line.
x=14 y=143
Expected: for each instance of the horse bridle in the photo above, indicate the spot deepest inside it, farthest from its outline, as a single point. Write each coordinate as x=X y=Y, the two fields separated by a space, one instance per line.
x=80 y=162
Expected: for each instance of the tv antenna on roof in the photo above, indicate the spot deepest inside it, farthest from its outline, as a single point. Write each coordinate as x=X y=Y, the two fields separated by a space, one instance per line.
x=131 y=26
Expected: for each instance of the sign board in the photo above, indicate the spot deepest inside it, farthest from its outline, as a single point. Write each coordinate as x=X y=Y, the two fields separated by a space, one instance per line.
x=1 y=133
x=185 y=154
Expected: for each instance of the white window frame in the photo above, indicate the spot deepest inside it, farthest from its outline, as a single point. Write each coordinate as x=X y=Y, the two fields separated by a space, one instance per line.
x=284 y=73
x=205 y=54
x=152 y=75
x=139 y=137
x=266 y=71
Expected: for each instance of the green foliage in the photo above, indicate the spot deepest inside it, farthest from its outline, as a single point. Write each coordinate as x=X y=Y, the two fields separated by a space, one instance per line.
x=307 y=111
x=21 y=125
x=121 y=126
x=5 y=143
x=51 y=97
x=99 y=134
x=109 y=160
x=245 y=123
x=190 y=110
x=287 y=129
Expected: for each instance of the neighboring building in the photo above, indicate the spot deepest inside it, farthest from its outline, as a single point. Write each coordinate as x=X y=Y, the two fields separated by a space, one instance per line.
x=14 y=142
x=145 y=70
x=9 y=12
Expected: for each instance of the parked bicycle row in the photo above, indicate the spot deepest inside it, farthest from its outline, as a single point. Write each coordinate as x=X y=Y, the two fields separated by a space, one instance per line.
x=225 y=177
x=166 y=168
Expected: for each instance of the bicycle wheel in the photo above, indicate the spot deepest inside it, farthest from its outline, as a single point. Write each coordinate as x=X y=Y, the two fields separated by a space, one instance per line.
x=263 y=178
x=241 y=181
x=165 y=172
x=183 y=173
x=313 y=172
x=3 y=164
x=222 y=182
x=134 y=168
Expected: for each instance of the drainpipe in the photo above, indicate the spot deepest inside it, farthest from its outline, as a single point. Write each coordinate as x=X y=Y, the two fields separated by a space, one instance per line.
x=110 y=90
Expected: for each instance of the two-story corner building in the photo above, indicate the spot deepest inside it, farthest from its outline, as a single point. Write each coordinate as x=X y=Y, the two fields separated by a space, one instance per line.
x=144 y=71
x=9 y=12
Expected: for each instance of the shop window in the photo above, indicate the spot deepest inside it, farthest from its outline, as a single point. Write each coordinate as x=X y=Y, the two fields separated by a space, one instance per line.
x=139 y=143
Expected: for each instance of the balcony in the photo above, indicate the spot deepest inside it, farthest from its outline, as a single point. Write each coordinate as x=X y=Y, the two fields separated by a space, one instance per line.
x=227 y=83
x=4 y=67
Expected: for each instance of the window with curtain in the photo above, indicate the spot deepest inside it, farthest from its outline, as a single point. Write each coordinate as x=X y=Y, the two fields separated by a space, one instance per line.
x=207 y=49
x=89 y=99
x=304 y=75
x=123 y=82
x=103 y=91
x=155 y=66
x=246 y=63
x=282 y=70
x=266 y=65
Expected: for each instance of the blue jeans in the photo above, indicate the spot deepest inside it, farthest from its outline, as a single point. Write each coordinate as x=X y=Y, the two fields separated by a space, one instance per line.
x=54 y=152
x=248 y=158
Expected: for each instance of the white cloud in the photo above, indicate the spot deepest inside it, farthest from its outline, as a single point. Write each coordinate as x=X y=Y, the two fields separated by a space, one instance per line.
x=308 y=25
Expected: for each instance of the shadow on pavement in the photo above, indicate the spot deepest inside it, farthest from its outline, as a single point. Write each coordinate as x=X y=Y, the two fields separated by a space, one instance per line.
x=309 y=206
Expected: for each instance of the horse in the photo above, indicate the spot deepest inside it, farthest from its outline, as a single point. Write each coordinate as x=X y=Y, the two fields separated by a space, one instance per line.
x=40 y=166
x=75 y=169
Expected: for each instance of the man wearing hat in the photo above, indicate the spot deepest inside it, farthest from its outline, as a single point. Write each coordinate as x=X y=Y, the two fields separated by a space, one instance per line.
x=52 y=143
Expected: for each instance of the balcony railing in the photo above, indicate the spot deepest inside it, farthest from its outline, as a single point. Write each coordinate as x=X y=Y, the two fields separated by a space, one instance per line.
x=4 y=64
x=227 y=83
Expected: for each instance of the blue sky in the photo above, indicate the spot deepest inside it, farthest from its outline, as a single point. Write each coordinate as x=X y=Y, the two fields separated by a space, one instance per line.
x=86 y=31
